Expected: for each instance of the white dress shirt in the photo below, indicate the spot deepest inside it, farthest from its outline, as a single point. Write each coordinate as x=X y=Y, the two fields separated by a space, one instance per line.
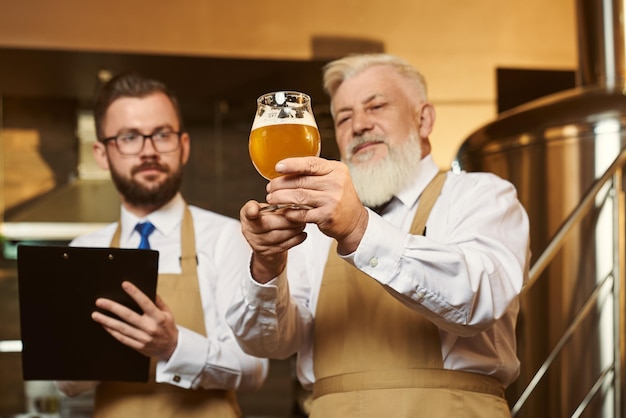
x=216 y=361
x=465 y=275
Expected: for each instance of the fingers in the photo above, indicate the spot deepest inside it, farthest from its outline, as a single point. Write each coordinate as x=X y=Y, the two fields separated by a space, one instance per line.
x=310 y=181
x=122 y=332
x=142 y=300
x=255 y=224
x=126 y=314
x=312 y=166
x=125 y=336
x=152 y=333
x=327 y=187
x=296 y=170
x=276 y=241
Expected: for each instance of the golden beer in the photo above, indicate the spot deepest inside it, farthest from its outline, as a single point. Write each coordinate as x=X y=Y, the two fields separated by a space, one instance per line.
x=271 y=143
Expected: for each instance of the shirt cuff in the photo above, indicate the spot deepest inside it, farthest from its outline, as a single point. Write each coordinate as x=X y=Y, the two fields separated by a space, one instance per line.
x=380 y=250
x=264 y=295
x=187 y=361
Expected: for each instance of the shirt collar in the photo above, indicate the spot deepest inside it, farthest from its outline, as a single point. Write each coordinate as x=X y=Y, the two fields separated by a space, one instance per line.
x=164 y=219
x=427 y=170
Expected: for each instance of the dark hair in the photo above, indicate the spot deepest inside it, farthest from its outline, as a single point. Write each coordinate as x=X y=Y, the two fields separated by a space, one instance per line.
x=130 y=84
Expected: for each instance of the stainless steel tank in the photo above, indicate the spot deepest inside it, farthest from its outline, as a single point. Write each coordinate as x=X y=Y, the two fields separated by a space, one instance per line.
x=553 y=150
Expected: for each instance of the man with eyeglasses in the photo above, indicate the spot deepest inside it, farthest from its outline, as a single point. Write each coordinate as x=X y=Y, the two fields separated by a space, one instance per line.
x=196 y=363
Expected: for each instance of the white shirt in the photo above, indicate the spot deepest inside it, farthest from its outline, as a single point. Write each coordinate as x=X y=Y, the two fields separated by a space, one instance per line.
x=216 y=361
x=465 y=275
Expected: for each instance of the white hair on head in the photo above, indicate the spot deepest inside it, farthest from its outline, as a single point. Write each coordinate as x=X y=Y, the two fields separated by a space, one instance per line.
x=338 y=71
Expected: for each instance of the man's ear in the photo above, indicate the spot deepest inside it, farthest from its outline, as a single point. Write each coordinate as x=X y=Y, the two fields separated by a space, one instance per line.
x=100 y=154
x=185 y=145
x=426 y=120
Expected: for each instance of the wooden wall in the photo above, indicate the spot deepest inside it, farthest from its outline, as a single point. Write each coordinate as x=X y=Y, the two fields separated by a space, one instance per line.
x=457 y=44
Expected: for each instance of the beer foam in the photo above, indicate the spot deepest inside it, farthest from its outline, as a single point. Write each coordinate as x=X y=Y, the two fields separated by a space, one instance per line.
x=270 y=117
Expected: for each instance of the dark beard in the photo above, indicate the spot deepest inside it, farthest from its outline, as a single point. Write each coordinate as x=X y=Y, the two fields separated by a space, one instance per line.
x=139 y=195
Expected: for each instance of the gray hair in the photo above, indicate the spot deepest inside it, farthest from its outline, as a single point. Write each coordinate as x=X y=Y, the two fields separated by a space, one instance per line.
x=338 y=71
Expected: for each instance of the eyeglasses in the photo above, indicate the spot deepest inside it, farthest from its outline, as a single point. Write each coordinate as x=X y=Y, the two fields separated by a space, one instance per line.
x=132 y=143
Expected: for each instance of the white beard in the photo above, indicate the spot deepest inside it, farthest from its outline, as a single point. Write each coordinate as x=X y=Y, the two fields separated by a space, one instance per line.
x=376 y=183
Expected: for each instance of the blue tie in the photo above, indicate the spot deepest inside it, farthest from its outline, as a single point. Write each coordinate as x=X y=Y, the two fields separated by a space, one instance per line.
x=145 y=229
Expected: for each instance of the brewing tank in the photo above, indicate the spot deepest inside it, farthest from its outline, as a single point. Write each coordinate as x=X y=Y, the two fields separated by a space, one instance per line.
x=552 y=150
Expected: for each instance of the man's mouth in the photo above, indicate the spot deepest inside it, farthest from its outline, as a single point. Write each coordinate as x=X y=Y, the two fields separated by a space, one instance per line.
x=364 y=146
x=146 y=168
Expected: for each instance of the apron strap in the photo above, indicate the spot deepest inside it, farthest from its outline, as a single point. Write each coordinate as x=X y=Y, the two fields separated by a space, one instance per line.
x=188 y=255
x=427 y=201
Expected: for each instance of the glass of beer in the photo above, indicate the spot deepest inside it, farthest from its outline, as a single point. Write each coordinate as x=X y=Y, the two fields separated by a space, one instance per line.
x=283 y=126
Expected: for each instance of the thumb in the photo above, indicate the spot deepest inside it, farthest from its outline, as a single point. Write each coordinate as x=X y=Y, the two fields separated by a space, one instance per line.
x=250 y=211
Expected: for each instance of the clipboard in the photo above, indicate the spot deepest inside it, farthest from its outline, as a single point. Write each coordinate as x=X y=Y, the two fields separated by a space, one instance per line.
x=58 y=287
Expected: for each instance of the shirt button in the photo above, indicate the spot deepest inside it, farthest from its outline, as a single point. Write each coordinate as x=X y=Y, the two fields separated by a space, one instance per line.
x=420 y=295
x=373 y=261
x=176 y=378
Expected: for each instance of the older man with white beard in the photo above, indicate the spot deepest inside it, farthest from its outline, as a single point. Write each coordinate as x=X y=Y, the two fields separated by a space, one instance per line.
x=399 y=289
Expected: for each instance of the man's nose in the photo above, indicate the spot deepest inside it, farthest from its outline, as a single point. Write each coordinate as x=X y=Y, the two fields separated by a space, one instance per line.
x=361 y=123
x=148 y=146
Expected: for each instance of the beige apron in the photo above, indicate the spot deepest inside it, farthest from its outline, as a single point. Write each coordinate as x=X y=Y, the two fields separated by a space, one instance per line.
x=182 y=294
x=375 y=357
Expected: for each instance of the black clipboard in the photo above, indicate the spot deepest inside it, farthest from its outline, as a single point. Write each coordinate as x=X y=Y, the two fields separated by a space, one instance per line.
x=58 y=287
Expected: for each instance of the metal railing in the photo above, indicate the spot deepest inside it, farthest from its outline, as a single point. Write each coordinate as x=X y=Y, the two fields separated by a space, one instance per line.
x=614 y=373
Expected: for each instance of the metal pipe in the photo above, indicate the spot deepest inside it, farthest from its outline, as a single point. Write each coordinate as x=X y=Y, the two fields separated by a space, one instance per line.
x=601 y=43
x=619 y=291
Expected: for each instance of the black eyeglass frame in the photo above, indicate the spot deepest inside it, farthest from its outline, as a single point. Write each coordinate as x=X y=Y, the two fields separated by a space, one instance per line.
x=143 y=141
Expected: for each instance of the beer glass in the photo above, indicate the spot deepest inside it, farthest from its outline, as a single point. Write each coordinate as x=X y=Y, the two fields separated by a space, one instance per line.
x=283 y=126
